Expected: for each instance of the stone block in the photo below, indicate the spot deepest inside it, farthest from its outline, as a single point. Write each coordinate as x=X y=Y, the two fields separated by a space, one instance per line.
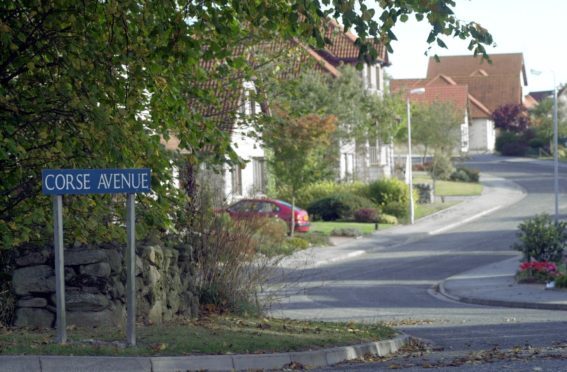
x=152 y=276
x=32 y=258
x=155 y=315
x=80 y=301
x=99 y=270
x=33 y=279
x=83 y=256
x=115 y=261
x=32 y=302
x=89 y=319
x=34 y=317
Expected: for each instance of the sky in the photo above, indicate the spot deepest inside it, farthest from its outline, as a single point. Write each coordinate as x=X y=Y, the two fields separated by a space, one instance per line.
x=536 y=28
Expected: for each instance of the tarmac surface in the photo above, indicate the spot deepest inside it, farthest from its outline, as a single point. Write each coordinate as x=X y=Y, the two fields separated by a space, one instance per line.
x=491 y=285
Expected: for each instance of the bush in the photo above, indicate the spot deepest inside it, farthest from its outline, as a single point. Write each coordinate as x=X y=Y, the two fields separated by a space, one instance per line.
x=7 y=296
x=397 y=209
x=561 y=281
x=366 y=215
x=296 y=244
x=514 y=149
x=316 y=238
x=271 y=237
x=319 y=190
x=387 y=219
x=511 y=144
x=541 y=239
x=337 y=207
x=228 y=272
x=441 y=168
x=465 y=175
x=386 y=191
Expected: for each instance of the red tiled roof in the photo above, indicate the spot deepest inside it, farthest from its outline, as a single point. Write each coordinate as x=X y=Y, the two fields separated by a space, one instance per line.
x=442 y=88
x=457 y=95
x=530 y=102
x=502 y=64
x=343 y=48
x=493 y=91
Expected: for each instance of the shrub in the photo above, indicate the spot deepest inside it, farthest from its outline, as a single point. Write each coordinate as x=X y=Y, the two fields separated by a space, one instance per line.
x=337 y=207
x=536 y=272
x=7 y=297
x=441 y=168
x=296 y=243
x=227 y=270
x=319 y=190
x=316 y=238
x=561 y=281
x=271 y=237
x=387 y=219
x=514 y=149
x=511 y=144
x=465 y=175
x=541 y=239
x=397 y=209
x=386 y=191
x=347 y=232
x=366 y=215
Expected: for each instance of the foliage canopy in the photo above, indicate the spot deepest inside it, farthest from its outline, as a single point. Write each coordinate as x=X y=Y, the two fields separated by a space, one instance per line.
x=98 y=84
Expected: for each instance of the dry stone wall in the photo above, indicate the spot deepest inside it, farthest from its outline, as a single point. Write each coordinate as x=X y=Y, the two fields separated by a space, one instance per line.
x=95 y=281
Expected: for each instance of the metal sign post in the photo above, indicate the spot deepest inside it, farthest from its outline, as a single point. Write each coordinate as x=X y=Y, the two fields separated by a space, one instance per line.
x=59 y=182
x=60 y=323
x=131 y=270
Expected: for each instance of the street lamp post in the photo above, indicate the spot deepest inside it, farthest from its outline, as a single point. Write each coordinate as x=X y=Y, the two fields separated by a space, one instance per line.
x=555 y=152
x=555 y=147
x=409 y=162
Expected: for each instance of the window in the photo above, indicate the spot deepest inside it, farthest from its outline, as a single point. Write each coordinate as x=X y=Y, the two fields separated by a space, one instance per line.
x=236 y=177
x=259 y=174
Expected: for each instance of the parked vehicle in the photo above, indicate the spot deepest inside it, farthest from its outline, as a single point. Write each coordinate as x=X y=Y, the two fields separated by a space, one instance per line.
x=246 y=208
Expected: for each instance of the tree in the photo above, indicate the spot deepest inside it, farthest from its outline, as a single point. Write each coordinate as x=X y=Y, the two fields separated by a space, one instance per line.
x=294 y=141
x=97 y=84
x=541 y=119
x=436 y=126
x=511 y=118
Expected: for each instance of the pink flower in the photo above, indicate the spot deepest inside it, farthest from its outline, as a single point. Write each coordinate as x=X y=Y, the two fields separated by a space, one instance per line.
x=543 y=266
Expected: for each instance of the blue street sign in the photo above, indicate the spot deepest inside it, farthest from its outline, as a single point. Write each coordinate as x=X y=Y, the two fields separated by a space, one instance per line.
x=95 y=181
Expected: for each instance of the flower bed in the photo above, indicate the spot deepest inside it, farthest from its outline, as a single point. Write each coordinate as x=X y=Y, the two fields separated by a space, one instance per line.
x=537 y=272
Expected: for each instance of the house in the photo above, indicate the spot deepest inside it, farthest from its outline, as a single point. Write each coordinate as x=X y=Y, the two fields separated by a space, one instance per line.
x=489 y=86
x=368 y=159
x=232 y=113
x=363 y=160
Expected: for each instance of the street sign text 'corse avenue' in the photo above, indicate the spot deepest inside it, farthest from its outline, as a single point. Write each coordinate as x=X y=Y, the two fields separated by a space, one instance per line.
x=95 y=181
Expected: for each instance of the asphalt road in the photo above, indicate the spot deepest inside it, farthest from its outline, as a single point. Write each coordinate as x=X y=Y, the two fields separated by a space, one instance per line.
x=393 y=284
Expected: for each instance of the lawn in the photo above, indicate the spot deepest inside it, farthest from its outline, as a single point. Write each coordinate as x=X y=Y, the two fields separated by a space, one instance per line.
x=450 y=188
x=209 y=335
x=422 y=210
x=364 y=228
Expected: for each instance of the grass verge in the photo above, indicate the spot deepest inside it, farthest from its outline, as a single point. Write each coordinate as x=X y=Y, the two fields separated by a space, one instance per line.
x=327 y=227
x=210 y=335
x=422 y=210
x=450 y=188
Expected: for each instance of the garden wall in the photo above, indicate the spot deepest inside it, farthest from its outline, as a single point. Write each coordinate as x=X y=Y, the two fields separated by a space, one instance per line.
x=95 y=281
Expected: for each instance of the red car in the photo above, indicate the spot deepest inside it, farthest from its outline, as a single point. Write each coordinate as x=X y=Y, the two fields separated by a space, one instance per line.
x=270 y=208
